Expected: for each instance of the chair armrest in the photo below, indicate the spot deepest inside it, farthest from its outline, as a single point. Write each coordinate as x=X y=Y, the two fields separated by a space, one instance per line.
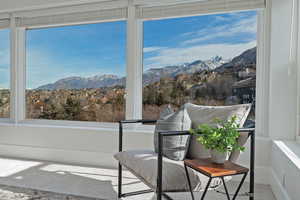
x=173 y=133
x=143 y=121
x=250 y=130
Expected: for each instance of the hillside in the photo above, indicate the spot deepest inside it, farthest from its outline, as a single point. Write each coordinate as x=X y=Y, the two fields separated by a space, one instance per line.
x=246 y=59
x=150 y=76
x=82 y=82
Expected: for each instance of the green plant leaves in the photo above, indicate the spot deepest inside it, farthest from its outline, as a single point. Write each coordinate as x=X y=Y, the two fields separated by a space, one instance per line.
x=223 y=136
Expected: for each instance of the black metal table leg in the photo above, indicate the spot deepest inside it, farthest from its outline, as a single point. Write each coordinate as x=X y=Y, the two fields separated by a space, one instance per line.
x=189 y=181
x=206 y=188
x=225 y=187
x=239 y=187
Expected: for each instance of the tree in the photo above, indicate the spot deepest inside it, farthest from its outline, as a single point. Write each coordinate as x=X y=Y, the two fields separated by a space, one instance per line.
x=160 y=99
x=50 y=111
x=72 y=109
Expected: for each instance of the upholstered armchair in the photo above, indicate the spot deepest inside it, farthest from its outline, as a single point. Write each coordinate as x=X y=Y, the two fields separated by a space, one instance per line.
x=162 y=174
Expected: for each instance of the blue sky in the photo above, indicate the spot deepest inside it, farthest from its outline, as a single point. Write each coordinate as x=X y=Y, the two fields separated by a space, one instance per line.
x=95 y=49
x=182 y=40
x=4 y=59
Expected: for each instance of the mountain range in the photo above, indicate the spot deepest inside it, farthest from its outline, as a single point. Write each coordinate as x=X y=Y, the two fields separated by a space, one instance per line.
x=217 y=64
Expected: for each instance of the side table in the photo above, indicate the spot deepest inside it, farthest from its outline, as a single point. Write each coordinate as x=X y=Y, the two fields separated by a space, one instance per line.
x=212 y=170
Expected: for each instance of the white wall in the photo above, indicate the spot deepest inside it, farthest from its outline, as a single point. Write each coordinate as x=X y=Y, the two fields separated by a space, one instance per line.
x=73 y=145
x=283 y=72
x=285 y=174
x=92 y=146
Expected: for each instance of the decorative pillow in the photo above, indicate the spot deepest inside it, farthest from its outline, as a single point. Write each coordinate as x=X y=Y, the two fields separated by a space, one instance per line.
x=205 y=115
x=174 y=147
x=242 y=140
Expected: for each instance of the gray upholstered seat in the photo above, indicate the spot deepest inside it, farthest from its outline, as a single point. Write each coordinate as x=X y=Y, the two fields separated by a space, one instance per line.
x=143 y=164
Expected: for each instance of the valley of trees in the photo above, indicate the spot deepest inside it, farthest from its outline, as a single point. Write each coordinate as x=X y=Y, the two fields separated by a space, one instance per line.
x=4 y=103
x=108 y=104
x=101 y=105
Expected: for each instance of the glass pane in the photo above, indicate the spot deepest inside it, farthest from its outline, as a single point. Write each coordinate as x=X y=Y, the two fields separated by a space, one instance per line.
x=77 y=72
x=206 y=60
x=4 y=73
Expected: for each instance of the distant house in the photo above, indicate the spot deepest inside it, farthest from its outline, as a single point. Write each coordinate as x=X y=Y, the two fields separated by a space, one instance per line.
x=247 y=72
x=245 y=90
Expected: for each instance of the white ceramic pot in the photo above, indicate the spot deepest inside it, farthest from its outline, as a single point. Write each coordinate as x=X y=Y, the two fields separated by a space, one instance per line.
x=218 y=157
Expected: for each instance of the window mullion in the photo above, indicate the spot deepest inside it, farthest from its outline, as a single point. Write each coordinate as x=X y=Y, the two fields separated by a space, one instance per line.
x=17 y=72
x=134 y=65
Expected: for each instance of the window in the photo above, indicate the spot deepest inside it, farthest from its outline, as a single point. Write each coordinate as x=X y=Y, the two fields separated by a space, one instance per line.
x=76 y=72
x=4 y=74
x=206 y=60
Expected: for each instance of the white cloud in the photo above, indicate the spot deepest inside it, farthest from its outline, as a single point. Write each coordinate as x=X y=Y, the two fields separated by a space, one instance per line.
x=246 y=25
x=152 y=49
x=175 y=56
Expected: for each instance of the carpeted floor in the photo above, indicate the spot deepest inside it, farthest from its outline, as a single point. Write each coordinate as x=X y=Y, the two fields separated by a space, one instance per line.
x=17 y=193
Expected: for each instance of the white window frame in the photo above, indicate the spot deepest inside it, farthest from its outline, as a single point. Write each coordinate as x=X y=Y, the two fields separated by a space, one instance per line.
x=20 y=83
x=134 y=72
x=17 y=37
x=263 y=69
x=296 y=35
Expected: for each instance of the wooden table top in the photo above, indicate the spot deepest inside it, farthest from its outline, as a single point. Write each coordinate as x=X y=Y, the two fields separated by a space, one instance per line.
x=210 y=169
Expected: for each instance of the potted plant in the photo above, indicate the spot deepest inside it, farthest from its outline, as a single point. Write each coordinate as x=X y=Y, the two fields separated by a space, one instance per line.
x=220 y=138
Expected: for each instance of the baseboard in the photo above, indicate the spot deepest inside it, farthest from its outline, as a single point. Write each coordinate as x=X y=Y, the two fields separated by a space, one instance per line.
x=279 y=191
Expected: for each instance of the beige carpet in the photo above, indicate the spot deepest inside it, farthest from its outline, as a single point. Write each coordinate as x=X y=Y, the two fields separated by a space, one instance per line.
x=17 y=193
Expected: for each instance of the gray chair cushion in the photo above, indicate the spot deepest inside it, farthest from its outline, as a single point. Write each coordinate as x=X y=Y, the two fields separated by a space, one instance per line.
x=174 y=147
x=205 y=115
x=143 y=164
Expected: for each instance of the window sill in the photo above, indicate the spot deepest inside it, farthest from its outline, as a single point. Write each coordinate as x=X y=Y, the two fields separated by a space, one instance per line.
x=101 y=126
x=6 y=121
x=291 y=149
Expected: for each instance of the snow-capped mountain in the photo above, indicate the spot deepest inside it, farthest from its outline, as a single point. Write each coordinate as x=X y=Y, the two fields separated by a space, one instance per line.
x=216 y=63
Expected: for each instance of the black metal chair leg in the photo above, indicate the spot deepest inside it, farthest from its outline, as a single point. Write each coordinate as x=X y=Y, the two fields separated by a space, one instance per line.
x=225 y=187
x=159 y=191
x=120 y=181
x=252 y=166
x=189 y=181
x=206 y=188
x=239 y=187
